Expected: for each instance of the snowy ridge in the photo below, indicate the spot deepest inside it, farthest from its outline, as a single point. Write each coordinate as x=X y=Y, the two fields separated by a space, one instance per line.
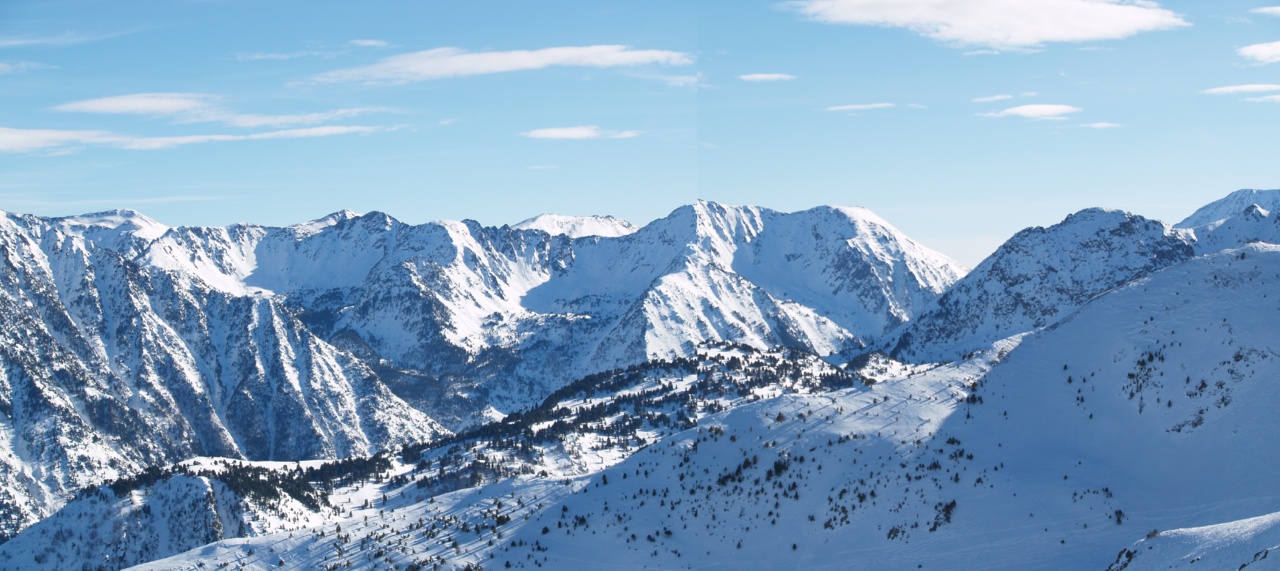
x=577 y=226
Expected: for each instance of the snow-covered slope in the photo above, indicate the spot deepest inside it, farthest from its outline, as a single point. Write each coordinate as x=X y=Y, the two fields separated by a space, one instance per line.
x=577 y=226
x=1038 y=277
x=1247 y=543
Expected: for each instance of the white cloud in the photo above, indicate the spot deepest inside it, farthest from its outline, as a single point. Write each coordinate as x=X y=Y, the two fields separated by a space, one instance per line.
x=1102 y=125
x=767 y=77
x=202 y=108
x=26 y=140
x=1000 y=24
x=862 y=107
x=1261 y=53
x=369 y=44
x=992 y=98
x=1269 y=11
x=1042 y=112
x=1247 y=88
x=29 y=140
x=454 y=62
x=1264 y=99
x=8 y=67
x=578 y=133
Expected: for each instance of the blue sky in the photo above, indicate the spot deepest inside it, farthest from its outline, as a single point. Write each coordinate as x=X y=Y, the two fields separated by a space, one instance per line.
x=960 y=121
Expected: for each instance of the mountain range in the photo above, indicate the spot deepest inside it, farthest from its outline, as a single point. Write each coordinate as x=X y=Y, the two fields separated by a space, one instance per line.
x=723 y=386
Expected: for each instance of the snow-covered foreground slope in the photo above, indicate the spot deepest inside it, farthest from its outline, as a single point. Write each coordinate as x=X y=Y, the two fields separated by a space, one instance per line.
x=1149 y=408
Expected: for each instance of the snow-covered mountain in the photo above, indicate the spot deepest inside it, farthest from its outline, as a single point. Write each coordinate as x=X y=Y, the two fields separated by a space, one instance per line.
x=577 y=226
x=357 y=333
x=111 y=366
x=1232 y=205
x=1242 y=217
x=1038 y=277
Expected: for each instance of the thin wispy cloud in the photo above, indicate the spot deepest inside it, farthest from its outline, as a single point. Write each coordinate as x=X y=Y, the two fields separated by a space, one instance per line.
x=443 y=63
x=11 y=67
x=283 y=56
x=1042 y=112
x=758 y=77
x=1264 y=99
x=1261 y=53
x=1102 y=125
x=992 y=98
x=578 y=133
x=1246 y=88
x=1000 y=24
x=676 y=80
x=369 y=43
x=57 y=140
x=1268 y=11
x=202 y=108
x=56 y=40
x=861 y=107
x=680 y=80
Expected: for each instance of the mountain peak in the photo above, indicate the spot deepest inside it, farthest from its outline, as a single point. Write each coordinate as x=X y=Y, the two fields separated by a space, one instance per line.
x=313 y=226
x=1231 y=205
x=577 y=226
x=122 y=219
